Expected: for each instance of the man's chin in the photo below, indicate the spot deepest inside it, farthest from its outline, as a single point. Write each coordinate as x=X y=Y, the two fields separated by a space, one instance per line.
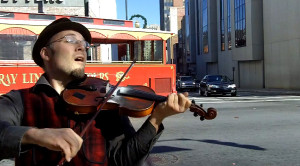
x=78 y=73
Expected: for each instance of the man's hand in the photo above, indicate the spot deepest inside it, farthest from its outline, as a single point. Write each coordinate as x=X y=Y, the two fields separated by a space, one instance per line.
x=64 y=140
x=175 y=104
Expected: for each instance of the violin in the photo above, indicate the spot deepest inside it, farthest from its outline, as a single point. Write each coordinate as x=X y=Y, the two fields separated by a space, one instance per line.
x=91 y=95
x=133 y=100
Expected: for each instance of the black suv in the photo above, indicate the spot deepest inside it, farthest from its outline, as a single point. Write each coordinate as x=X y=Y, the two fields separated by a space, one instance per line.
x=217 y=84
x=185 y=82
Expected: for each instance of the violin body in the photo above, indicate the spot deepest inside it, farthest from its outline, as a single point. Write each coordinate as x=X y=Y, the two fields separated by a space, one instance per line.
x=84 y=97
x=87 y=96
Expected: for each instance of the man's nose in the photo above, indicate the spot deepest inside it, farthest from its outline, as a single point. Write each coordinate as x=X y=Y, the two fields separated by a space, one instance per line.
x=81 y=46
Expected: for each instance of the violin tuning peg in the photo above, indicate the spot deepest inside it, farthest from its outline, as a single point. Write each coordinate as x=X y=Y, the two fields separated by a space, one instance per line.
x=202 y=118
x=201 y=105
x=195 y=114
x=193 y=101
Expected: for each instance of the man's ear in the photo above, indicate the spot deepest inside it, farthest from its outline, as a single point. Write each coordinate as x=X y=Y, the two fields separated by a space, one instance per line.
x=45 y=54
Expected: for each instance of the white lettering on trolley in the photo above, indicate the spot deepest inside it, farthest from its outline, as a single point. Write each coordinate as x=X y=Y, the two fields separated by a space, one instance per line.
x=30 y=77
x=8 y=79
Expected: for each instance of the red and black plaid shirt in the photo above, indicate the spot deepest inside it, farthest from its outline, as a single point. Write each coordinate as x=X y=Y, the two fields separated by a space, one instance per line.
x=42 y=111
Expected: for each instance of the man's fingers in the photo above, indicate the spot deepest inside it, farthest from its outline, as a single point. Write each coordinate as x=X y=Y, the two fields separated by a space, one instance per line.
x=188 y=104
x=175 y=100
x=186 y=94
x=75 y=142
x=64 y=140
x=67 y=151
x=183 y=102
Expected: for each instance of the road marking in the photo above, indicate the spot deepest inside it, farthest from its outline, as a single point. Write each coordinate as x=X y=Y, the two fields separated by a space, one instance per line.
x=251 y=99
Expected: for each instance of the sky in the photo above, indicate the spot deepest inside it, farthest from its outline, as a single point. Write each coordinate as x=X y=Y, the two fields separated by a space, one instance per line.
x=147 y=8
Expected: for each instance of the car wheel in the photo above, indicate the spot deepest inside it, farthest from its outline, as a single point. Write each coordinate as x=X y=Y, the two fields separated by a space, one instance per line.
x=233 y=94
x=206 y=93
x=178 y=88
x=200 y=92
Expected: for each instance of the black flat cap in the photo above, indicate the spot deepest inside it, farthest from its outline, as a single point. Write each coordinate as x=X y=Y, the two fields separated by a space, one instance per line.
x=54 y=28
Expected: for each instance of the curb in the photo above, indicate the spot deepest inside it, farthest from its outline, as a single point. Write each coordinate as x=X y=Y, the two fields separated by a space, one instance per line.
x=270 y=91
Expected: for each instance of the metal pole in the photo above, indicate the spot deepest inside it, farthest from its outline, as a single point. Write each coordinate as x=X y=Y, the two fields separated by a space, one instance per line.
x=127 y=45
x=233 y=68
x=126 y=9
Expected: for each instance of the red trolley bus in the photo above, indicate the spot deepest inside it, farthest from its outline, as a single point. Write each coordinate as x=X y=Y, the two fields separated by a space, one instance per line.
x=115 y=44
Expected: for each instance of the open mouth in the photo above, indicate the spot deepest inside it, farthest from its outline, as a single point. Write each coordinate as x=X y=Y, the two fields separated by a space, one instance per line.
x=79 y=59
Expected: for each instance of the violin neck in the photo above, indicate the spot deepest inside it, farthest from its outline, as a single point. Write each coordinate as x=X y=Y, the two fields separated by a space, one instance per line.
x=141 y=94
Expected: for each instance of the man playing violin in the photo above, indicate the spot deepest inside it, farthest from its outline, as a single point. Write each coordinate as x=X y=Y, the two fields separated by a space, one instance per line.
x=36 y=130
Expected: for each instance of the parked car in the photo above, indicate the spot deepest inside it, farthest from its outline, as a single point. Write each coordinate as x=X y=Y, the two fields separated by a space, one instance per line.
x=186 y=82
x=217 y=84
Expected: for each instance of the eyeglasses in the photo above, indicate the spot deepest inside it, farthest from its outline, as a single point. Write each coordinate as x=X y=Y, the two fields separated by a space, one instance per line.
x=71 y=39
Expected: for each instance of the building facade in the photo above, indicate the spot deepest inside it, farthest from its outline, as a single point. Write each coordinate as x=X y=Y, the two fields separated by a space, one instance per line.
x=171 y=15
x=254 y=42
x=281 y=44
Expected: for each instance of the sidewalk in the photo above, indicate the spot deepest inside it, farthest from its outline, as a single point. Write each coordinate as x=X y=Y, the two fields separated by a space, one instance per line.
x=269 y=91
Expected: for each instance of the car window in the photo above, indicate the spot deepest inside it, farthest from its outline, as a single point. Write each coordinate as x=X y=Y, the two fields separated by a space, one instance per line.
x=225 y=79
x=186 y=78
x=214 y=78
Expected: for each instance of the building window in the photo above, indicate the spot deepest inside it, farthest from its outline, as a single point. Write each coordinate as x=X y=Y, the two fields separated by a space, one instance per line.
x=229 y=24
x=240 y=23
x=41 y=17
x=198 y=28
x=204 y=27
x=114 y=22
x=7 y=15
x=222 y=26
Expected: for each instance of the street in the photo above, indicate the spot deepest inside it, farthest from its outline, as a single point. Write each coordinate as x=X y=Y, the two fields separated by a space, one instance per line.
x=249 y=130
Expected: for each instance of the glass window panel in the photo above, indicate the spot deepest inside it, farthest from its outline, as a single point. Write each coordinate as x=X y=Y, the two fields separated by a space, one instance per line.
x=16 y=47
x=204 y=27
x=205 y=18
x=241 y=11
x=240 y=23
x=150 y=51
x=204 y=4
x=244 y=11
x=7 y=15
x=222 y=28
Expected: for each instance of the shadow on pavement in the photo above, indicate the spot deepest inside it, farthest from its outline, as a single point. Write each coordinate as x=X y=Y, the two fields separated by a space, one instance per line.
x=164 y=149
x=232 y=144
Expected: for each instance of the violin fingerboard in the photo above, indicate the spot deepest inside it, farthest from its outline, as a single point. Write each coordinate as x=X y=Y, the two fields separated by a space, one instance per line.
x=141 y=94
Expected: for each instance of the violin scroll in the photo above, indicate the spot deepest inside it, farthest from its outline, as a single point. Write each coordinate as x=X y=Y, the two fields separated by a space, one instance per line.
x=199 y=111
